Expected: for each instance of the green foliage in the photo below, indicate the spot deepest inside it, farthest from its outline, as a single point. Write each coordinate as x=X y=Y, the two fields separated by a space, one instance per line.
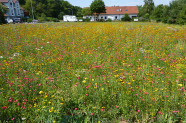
x=181 y=19
x=86 y=11
x=60 y=16
x=52 y=8
x=157 y=14
x=147 y=8
x=126 y=18
x=97 y=6
x=109 y=20
x=2 y=12
x=86 y=19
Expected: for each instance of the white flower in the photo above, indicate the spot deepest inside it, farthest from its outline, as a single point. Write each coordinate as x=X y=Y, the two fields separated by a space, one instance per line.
x=16 y=54
x=1 y=57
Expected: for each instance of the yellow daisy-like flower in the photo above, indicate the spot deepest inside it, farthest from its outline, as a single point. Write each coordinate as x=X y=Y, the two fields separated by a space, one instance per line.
x=51 y=110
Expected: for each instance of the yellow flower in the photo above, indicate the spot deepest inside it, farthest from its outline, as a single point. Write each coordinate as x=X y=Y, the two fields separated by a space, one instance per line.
x=180 y=85
x=40 y=92
x=102 y=89
x=84 y=81
x=51 y=110
x=35 y=105
x=43 y=106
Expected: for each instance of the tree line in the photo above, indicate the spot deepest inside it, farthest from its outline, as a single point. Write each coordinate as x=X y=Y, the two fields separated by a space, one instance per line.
x=174 y=13
x=50 y=8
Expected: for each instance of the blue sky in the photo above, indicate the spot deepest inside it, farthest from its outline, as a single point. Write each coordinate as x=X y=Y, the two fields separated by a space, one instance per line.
x=86 y=3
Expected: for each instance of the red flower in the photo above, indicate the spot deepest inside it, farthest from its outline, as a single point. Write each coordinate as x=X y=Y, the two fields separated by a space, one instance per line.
x=4 y=107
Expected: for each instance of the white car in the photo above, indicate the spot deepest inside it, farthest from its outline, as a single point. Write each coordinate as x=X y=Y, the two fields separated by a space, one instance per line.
x=9 y=21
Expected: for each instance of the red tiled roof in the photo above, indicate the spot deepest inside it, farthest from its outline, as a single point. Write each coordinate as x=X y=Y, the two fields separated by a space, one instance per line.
x=4 y=1
x=121 y=10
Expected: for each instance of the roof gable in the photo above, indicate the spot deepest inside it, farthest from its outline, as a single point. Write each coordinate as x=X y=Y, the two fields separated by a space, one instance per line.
x=121 y=10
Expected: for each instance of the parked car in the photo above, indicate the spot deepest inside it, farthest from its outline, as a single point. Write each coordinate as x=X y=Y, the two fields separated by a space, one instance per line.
x=17 y=20
x=9 y=21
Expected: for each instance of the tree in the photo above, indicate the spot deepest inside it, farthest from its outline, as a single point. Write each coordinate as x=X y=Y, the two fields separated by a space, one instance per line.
x=126 y=18
x=2 y=12
x=97 y=7
x=147 y=9
x=86 y=11
x=181 y=18
x=157 y=14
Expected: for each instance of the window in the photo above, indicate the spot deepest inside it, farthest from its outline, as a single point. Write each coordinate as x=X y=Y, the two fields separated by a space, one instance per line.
x=116 y=17
x=101 y=17
x=105 y=17
x=11 y=4
x=126 y=9
x=18 y=12
x=12 y=12
x=17 y=5
x=117 y=10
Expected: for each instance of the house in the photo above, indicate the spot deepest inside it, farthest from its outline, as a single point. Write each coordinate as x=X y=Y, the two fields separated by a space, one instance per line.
x=14 y=9
x=116 y=13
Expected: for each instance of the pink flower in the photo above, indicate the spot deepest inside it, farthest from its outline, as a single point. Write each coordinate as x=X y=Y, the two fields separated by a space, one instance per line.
x=160 y=112
x=173 y=111
x=92 y=114
x=75 y=109
x=117 y=106
x=102 y=109
x=4 y=107
x=13 y=118
x=18 y=104
x=86 y=94
x=138 y=110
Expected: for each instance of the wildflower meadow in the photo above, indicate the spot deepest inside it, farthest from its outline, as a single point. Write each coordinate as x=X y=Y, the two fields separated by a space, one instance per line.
x=92 y=72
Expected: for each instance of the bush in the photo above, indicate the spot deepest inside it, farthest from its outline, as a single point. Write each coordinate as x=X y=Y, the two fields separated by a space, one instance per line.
x=126 y=18
x=86 y=20
x=109 y=20
x=29 y=20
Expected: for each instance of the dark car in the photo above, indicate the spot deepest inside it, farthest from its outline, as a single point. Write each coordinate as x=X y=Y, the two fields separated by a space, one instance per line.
x=17 y=20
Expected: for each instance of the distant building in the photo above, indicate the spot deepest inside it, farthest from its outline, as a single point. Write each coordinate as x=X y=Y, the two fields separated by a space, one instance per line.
x=116 y=13
x=69 y=18
x=14 y=9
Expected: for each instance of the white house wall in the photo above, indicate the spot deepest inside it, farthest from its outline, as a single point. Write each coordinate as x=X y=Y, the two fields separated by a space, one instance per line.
x=112 y=17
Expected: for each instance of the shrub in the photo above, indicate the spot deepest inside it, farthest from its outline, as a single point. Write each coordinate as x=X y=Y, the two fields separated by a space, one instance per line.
x=109 y=20
x=126 y=18
x=86 y=20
